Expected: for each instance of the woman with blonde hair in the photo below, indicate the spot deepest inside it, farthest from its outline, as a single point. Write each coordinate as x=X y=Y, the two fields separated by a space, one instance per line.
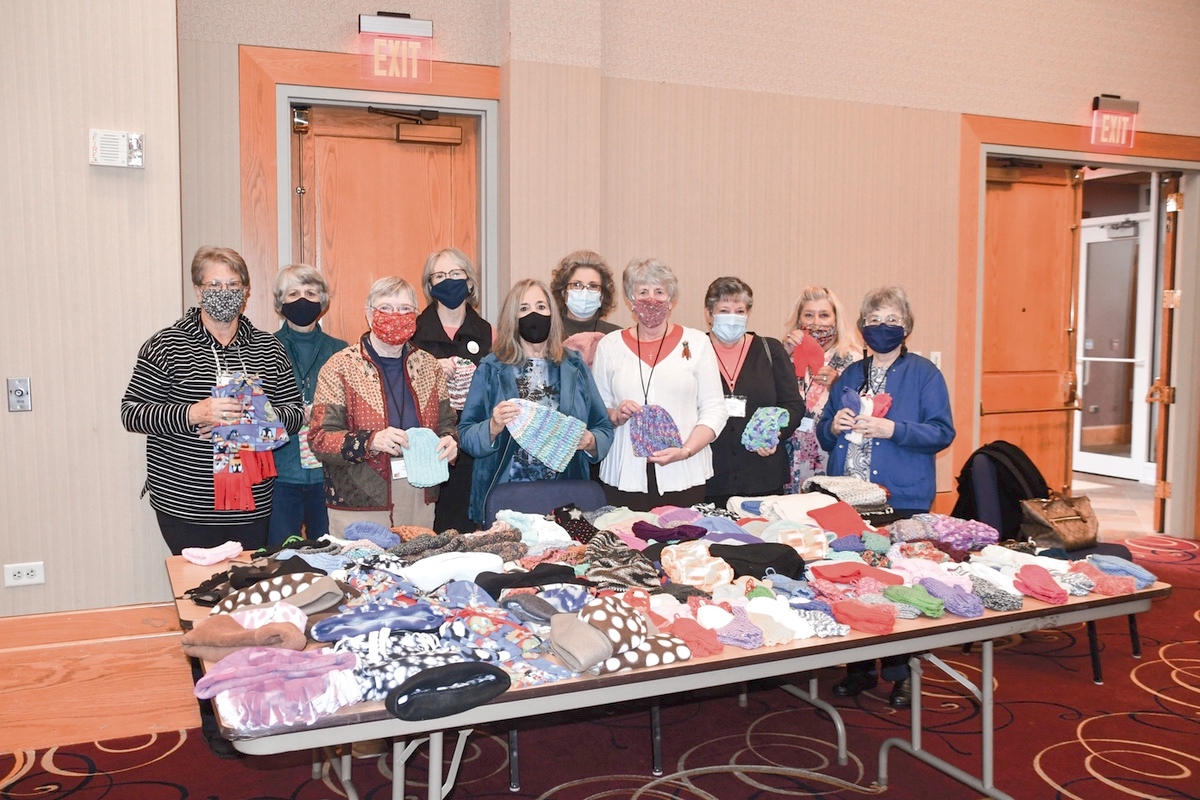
x=528 y=361
x=819 y=316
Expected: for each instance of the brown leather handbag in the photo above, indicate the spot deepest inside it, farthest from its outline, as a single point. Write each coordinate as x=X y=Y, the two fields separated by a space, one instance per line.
x=1059 y=521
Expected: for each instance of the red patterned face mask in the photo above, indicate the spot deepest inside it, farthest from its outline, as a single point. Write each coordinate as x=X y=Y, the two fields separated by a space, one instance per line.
x=393 y=328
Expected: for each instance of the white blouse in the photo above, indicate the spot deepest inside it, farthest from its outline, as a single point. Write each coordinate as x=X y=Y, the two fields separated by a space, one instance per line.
x=689 y=388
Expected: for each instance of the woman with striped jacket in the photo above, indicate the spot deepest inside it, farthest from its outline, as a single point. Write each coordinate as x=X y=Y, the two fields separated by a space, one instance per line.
x=170 y=399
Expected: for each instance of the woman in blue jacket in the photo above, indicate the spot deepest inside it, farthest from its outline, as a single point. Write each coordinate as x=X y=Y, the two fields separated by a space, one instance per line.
x=896 y=451
x=528 y=361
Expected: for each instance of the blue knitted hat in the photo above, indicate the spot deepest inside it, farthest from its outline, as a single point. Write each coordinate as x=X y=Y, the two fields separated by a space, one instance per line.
x=421 y=459
x=652 y=429
x=763 y=428
x=547 y=434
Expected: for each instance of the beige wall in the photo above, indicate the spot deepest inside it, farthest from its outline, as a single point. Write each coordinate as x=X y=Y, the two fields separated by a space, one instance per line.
x=91 y=268
x=788 y=141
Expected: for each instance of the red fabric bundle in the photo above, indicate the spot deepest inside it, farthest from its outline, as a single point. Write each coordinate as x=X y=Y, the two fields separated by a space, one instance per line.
x=841 y=518
x=1037 y=582
x=850 y=571
x=865 y=617
x=701 y=640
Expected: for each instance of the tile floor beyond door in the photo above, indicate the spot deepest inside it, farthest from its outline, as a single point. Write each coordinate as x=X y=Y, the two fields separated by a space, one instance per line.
x=1124 y=508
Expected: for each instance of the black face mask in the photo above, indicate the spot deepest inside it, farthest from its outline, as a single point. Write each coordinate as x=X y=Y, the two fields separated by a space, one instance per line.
x=534 y=327
x=301 y=312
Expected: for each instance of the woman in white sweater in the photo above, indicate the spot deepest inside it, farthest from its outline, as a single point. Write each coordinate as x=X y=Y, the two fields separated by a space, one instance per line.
x=658 y=363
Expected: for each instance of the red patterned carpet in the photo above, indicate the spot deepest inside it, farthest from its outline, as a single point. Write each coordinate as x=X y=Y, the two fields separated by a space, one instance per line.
x=1058 y=735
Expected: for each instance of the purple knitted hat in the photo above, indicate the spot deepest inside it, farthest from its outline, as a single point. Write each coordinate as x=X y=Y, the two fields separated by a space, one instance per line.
x=651 y=430
x=546 y=434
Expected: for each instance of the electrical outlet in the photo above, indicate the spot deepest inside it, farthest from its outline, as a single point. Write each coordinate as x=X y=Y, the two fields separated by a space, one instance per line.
x=24 y=574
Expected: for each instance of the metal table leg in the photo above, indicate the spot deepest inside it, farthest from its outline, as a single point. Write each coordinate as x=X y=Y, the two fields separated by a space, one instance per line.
x=984 y=694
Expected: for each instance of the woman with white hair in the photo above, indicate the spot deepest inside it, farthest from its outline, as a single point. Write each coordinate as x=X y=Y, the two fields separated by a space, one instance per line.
x=298 y=508
x=897 y=450
x=658 y=363
x=451 y=330
x=368 y=396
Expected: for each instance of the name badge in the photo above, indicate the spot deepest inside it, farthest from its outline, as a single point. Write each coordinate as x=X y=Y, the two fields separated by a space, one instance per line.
x=736 y=405
x=807 y=424
x=398 y=469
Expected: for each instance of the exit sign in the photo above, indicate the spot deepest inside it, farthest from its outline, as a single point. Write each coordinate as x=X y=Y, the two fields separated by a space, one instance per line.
x=1113 y=128
x=398 y=59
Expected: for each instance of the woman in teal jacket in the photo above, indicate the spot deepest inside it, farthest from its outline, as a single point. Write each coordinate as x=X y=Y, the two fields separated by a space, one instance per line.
x=528 y=361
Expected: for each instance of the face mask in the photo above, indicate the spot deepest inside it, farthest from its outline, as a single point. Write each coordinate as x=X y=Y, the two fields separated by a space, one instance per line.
x=395 y=328
x=822 y=334
x=451 y=292
x=883 y=338
x=651 y=313
x=534 y=327
x=223 y=305
x=301 y=312
x=729 y=327
x=583 y=303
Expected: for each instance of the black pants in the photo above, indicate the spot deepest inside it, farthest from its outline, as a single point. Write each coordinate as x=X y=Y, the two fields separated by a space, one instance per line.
x=179 y=533
x=454 y=498
x=652 y=498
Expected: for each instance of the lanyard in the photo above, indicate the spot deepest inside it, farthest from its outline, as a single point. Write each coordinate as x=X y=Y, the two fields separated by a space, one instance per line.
x=306 y=373
x=646 y=384
x=731 y=377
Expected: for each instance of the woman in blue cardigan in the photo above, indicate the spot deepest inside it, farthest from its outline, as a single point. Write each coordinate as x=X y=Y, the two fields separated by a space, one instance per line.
x=898 y=450
x=528 y=361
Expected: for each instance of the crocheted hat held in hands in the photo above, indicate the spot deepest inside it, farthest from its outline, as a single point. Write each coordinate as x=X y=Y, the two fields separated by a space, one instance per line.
x=652 y=429
x=546 y=434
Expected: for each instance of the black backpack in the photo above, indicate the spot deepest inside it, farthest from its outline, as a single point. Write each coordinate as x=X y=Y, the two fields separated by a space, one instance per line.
x=992 y=484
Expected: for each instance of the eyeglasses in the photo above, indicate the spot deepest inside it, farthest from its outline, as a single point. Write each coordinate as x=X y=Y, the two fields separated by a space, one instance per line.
x=890 y=319
x=231 y=285
x=390 y=309
x=576 y=286
x=454 y=274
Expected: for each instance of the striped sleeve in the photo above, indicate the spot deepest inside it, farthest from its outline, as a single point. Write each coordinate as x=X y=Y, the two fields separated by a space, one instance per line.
x=149 y=405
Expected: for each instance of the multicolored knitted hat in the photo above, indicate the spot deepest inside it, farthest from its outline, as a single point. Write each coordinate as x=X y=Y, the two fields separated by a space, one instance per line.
x=547 y=434
x=652 y=429
x=763 y=428
x=421 y=459
x=459 y=382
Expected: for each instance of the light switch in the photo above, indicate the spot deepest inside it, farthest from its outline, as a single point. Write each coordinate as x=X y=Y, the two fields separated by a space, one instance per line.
x=19 y=398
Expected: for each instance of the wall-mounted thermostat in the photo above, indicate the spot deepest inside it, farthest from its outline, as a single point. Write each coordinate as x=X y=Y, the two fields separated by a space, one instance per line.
x=115 y=149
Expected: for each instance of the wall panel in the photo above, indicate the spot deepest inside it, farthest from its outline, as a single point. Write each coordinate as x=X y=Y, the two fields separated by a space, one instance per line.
x=91 y=270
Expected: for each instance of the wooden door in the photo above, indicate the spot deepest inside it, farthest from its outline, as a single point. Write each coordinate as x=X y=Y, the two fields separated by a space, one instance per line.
x=1030 y=272
x=372 y=206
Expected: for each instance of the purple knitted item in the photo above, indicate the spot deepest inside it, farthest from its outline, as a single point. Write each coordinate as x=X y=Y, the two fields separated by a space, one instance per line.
x=652 y=429
x=848 y=544
x=679 y=533
x=547 y=434
x=963 y=534
x=958 y=601
x=741 y=632
x=670 y=516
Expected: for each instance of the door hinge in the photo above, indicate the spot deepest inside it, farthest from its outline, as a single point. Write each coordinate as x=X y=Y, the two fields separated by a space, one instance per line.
x=301 y=190
x=1174 y=202
x=1162 y=490
x=1161 y=394
x=1171 y=298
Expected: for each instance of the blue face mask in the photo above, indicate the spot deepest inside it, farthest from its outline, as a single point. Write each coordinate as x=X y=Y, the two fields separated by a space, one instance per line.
x=729 y=327
x=883 y=338
x=583 y=303
x=451 y=292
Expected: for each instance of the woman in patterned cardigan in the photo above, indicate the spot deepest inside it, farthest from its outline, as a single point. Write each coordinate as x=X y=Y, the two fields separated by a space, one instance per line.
x=368 y=395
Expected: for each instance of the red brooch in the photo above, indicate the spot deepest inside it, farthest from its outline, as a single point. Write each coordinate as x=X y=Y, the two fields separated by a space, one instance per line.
x=687 y=351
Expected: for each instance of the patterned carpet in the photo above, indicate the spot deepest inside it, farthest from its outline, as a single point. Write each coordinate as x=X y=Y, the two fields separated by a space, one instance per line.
x=1058 y=735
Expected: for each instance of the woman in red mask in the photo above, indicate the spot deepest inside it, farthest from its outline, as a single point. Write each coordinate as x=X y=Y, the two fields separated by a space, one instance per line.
x=662 y=387
x=368 y=396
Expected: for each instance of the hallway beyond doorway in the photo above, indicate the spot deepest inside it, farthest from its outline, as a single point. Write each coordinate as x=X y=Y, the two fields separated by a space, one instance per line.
x=1125 y=508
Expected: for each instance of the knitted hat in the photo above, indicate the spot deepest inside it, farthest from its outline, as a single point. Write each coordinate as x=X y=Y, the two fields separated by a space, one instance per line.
x=371 y=532
x=865 y=617
x=652 y=429
x=1036 y=581
x=459 y=382
x=763 y=428
x=841 y=518
x=447 y=690
x=421 y=459
x=546 y=434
